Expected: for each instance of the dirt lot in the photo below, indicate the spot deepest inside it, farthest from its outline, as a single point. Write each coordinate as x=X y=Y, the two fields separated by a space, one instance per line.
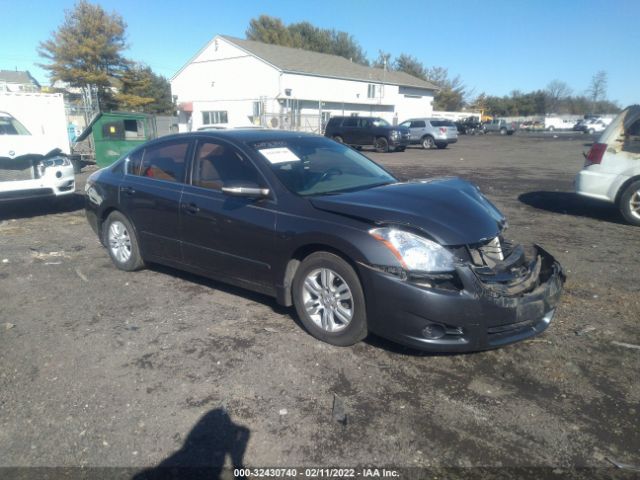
x=104 y=368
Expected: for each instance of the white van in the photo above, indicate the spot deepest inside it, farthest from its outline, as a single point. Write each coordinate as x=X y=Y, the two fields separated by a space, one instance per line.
x=612 y=168
x=557 y=123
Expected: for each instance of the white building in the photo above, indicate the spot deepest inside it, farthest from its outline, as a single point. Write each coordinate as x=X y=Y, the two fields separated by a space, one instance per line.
x=241 y=82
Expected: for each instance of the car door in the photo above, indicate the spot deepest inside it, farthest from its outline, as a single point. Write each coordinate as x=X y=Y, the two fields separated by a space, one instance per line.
x=417 y=130
x=366 y=132
x=150 y=194
x=224 y=235
x=349 y=130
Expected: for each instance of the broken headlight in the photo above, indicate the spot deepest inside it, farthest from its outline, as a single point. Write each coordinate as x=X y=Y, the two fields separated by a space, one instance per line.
x=52 y=162
x=414 y=252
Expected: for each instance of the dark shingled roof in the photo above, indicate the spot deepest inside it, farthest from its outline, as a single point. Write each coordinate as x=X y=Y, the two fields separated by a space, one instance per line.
x=18 y=77
x=296 y=60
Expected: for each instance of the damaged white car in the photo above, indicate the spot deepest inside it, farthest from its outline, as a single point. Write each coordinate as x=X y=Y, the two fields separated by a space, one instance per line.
x=612 y=168
x=30 y=167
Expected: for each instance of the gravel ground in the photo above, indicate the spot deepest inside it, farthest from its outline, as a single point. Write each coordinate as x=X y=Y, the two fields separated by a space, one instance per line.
x=100 y=367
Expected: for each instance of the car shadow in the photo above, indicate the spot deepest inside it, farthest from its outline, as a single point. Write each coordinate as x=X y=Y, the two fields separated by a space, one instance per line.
x=15 y=209
x=224 y=287
x=570 y=203
x=202 y=456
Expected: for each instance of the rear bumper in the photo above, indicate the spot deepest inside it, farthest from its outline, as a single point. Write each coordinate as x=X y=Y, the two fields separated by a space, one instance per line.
x=474 y=318
x=594 y=184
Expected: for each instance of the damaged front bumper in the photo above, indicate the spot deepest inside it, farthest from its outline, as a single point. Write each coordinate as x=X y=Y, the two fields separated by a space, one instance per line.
x=477 y=308
x=35 y=177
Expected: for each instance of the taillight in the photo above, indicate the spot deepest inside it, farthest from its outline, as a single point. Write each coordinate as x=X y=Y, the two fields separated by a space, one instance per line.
x=595 y=154
x=443 y=129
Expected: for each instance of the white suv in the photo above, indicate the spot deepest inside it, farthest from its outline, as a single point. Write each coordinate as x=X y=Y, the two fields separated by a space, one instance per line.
x=30 y=166
x=612 y=168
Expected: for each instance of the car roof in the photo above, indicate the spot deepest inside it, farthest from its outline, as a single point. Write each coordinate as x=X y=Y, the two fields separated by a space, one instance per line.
x=241 y=135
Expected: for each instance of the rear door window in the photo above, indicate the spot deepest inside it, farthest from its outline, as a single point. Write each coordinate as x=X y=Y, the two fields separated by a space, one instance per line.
x=350 y=122
x=165 y=161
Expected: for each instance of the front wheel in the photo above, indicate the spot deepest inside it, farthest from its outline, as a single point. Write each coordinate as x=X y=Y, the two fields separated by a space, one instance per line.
x=503 y=131
x=382 y=145
x=329 y=299
x=121 y=242
x=338 y=139
x=629 y=203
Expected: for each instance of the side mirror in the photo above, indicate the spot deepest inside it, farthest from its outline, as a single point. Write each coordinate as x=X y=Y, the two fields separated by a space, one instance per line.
x=248 y=190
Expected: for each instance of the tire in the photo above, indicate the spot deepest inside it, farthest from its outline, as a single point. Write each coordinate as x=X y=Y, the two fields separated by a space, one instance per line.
x=441 y=146
x=382 y=145
x=551 y=128
x=338 y=139
x=308 y=290
x=428 y=142
x=591 y=131
x=503 y=131
x=629 y=203
x=122 y=244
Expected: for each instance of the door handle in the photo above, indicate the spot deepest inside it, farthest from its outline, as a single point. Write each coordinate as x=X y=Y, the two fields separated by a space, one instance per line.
x=128 y=190
x=191 y=208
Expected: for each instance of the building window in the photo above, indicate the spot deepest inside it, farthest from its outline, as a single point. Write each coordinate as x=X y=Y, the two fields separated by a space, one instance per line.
x=210 y=118
x=257 y=109
x=371 y=91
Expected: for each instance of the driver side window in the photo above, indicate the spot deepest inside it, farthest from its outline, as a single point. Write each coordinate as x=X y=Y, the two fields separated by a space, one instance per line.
x=217 y=164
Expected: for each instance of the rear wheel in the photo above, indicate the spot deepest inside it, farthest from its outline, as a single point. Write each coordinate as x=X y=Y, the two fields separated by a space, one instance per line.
x=382 y=145
x=503 y=131
x=329 y=299
x=629 y=203
x=428 y=143
x=338 y=138
x=122 y=243
x=591 y=131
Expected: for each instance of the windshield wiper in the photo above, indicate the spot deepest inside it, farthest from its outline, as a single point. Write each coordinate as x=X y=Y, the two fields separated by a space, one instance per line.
x=354 y=189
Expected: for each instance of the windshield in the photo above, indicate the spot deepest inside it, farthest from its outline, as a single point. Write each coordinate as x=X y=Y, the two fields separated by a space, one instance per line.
x=10 y=126
x=315 y=166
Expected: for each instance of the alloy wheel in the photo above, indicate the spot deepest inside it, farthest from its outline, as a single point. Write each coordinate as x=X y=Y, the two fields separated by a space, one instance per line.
x=634 y=204
x=328 y=300
x=119 y=241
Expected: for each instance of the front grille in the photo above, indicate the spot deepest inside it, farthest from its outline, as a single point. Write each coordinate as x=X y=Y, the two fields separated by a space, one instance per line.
x=13 y=174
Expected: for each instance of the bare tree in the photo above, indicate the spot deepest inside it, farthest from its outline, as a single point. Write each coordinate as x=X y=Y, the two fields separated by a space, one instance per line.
x=598 y=86
x=557 y=91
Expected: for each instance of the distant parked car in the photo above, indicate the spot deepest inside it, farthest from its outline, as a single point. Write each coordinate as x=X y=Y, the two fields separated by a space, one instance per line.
x=557 y=123
x=592 y=125
x=431 y=132
x=499 y=126
x=612 y=168
x=468 y=126
x=30 y=165
x=363 y=131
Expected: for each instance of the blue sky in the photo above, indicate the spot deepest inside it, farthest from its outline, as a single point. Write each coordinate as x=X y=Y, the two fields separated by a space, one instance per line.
x=495 y=46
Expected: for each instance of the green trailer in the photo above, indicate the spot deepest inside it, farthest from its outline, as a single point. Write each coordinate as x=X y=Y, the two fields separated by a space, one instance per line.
x=116 y=133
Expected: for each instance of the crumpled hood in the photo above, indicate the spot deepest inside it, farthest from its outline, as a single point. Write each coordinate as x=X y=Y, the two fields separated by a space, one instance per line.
x=13 y=146
x=452 y=211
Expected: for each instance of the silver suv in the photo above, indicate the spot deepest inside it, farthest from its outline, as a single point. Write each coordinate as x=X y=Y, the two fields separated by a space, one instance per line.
x=431 y=132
